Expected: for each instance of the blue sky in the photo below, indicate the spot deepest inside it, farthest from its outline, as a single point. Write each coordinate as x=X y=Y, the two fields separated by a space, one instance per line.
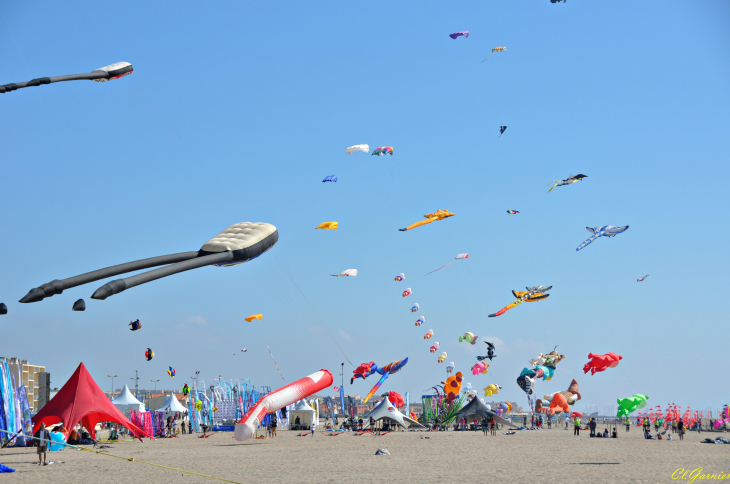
x=236 y=112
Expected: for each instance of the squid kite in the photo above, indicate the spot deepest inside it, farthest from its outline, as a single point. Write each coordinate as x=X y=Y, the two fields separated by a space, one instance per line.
x=431 y=217
x=366 y=369
x=605 y=231
x=571 y=179
x=531 y=295
x=327 y=226
x=496 y=49
x=102 y=74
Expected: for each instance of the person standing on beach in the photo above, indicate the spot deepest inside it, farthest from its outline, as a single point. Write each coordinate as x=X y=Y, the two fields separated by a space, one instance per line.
x=628 y=423
x=592 y=426
x=273 y=427
x=484 y=425
x=680 y=429
x=576 y=426
x=44 y=436
x=463 y=424
x=674 y=426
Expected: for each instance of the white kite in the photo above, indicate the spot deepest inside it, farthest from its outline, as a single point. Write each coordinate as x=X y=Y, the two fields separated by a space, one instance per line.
x=365 y=148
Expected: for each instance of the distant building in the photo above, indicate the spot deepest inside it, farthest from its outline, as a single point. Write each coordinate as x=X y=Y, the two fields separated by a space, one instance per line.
x=35 y=379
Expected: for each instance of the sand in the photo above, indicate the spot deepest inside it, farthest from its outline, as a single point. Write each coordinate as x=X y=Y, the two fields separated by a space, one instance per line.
x=539 y=456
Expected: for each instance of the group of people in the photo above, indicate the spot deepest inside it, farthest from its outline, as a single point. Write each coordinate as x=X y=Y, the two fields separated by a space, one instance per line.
x=677 y=427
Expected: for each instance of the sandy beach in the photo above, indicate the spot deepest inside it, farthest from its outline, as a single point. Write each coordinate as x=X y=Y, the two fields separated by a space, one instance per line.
x=542 y=456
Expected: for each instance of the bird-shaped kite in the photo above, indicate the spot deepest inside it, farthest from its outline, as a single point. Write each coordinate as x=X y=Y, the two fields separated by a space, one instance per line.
x=149 y=354
x=567 y=181
x=431 y=217
x=135 y=325
x=531 y=295
x=601 y=362
x=490 y=352
x=642 y=278
x=605 y=231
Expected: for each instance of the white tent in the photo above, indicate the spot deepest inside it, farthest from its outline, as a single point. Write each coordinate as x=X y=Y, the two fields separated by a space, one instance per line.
x=304 y=412
x=125 y=402
x=172 y=406
x=386 y=409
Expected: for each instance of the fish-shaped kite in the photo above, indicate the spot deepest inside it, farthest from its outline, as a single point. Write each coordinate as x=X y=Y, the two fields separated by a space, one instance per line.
x=605 y=231
x=531 y=295
x=431 y=217
x=571 y=179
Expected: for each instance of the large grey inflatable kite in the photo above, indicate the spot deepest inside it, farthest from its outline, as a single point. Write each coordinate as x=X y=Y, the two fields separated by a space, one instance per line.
x=237 y=244
x=102 y=74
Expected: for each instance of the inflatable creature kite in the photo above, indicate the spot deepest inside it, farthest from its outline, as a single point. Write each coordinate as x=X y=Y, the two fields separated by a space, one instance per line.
x=383 y=150
x=149 y=354
x=463 y=33
x=185 y=389
x=490 y=352
x=255 y=316
x=428 y=335
x=532 y=294
x=346 y=273
x=407 y=292
x=630 y=404
x=366 y=369
x=400 y=277
x=415 y=308
x=452 y=386
x=469 y=338
x=642 y=278
x=135 y=325
x=171 y=372
x=491 y=389
x=3 y=308
x=327 y=226
x=480 y=368
x=330 y=178
x=502 y=129
x=604 y=231
x=512 y=212
x=420 y=320
x=567 y=181
x=495 y=50
x=571 y=395
x=435 y=347
x=237 y=244
x=450 y=367
x=364 y=148
x=443 y=357
x=431 y=217
x=601 y=362
x=79 y=305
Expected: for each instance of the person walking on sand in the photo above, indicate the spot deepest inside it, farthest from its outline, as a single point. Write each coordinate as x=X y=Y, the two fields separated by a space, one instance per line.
x=44 y=436
x=576 y=426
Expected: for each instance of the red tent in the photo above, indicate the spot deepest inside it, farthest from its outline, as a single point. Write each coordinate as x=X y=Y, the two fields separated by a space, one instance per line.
x=81 y=400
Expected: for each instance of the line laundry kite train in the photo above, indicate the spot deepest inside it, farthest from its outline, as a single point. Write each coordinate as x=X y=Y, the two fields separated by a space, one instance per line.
x=432 y=217
x=531 y=295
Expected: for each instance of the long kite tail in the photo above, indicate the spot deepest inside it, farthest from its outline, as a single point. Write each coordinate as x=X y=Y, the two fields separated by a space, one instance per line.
x=440 y=268
x=551 y=189
x=506 y=308
x=490 y=55
x=587 y=242
x=375 y=388
x=417 y=224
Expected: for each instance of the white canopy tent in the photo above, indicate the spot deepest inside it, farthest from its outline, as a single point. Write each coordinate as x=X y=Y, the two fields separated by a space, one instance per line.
x=125 y=402
x=304 y=413
x=172 y=405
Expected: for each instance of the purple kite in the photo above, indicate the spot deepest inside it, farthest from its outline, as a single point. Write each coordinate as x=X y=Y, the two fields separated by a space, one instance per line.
x=464 y=33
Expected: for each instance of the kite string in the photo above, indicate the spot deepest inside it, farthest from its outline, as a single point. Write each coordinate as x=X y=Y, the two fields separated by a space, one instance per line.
x=439 y=268
x=277 y=366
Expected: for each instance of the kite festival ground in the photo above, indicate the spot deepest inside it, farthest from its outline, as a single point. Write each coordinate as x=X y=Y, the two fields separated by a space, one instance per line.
x=529 y=456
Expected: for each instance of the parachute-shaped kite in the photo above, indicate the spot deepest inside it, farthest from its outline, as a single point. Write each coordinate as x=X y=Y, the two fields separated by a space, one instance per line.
x=171 y=372
x=366 y=369
x=415 y=308
x=571 y=179
x=469 y=338
x=135 y=325
x=364 y=148
x=383 y=150
x=330 y=178
x=255 y=316
x=491 y=389
x=185 y=389
x=462 y=256
x=431 y=217
x=348 y=272
x=480 y=368
x=407 y=292
x=327 y=226
x=420 y=320
x=443 y=357
x=532 y=294
x=495 y=50
x=79 y=305
x=435 y=347
x=490 y=352
x=149 y=354
x=604 y=231
x=400 y=277
x=601 y=362
x=428 y=335
x=642 y=278
x=450 y=367
x=463 y=33
x=502 y=129
x=512 y=212
x=630 y=404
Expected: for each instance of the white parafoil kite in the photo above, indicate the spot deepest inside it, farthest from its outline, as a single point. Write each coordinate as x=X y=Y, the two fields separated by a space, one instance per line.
x=348 y=272
x=365 y=148
x=462 y=256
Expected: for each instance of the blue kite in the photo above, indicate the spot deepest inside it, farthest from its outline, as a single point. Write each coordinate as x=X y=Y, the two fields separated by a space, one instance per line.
x=331 y=178
x=605 y=231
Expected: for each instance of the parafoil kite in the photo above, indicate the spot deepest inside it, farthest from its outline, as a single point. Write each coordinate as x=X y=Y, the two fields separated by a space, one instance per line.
x=415 y=308
x=420 y=320
x=171 y=372
x=237 y=244
x=367 y=369
x=428 y=335
x=135 y=325
x=407 y=292
x=491 y=389
x=400 y=277
x=480 y=368
x=642 y=278
x=185 y=389
x=462 y=256
x=490 y=352
x=435 y=347
x=571 y=179
x=469 y=338
x=443 y=357
x=495 y=50
x=327 y=226
x=383 y=150
x=365 y=148
x=450 y=367
x=255 y=316
x=452 y=386
x=102 y=74
x=502 y=129
x=512 y=212
x=149 y=354
x=431 y=217
x=630 y=404
x=532 y=294
x=463 y=33
x=348 y=272
x=79 y=305
x=604 y=231
x=601 y=362
x=330 y=178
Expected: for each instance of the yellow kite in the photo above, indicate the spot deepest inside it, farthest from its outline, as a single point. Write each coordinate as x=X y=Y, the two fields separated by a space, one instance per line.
x=432 y=217
x=255 y=316
x=327 y=226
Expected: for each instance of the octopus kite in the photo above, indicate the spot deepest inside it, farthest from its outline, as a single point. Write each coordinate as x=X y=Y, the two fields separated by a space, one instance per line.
x=531 y=295
x=567 y=181
x=366 y=369
x=431 y=217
